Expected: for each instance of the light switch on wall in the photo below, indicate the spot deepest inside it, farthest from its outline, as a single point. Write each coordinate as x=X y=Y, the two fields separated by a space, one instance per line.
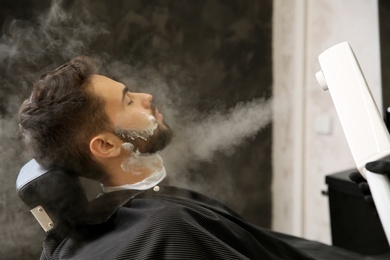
x=323 y=125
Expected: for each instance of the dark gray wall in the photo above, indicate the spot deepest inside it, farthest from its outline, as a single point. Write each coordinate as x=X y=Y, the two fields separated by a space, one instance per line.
x=215 y=53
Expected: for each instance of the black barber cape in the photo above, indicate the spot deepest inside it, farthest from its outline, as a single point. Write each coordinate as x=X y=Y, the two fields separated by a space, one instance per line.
x=175 y=223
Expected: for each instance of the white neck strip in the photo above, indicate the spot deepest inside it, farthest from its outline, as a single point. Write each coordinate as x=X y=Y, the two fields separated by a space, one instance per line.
x=147 y=183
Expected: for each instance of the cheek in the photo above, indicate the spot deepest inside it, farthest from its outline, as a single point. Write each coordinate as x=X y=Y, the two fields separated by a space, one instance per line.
x=135 y=121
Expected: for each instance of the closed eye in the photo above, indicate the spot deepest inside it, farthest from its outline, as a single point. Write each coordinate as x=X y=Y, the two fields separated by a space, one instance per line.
x=128 y=94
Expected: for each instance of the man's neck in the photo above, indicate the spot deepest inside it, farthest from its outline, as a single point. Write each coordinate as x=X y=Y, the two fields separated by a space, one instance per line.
x=133 y=168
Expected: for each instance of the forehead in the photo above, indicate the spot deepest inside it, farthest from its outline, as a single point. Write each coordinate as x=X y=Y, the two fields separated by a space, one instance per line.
x=111 y=91
x=106 y=87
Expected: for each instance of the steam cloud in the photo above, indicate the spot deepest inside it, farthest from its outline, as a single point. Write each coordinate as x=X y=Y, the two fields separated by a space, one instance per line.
x=218 y=132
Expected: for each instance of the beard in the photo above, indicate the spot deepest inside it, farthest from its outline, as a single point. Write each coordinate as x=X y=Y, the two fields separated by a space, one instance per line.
x=160 y=138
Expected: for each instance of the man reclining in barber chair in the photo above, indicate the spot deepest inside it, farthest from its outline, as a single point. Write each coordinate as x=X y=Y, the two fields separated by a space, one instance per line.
x=79 y=123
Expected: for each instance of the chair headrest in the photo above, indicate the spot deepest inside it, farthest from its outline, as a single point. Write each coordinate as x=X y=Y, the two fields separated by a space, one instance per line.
x=54 y=196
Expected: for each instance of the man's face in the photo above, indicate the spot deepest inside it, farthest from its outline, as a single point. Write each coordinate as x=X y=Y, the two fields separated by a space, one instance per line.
x=133 y=116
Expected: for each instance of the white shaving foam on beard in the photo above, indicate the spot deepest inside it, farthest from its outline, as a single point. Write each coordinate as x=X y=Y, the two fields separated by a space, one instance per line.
x=141 y=133
x=137 y=163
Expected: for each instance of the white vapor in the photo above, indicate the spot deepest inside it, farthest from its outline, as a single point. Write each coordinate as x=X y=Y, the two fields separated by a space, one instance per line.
x=218 y=132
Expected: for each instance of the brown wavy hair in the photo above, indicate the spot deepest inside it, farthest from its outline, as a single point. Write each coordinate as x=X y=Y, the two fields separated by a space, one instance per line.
x=61 y=116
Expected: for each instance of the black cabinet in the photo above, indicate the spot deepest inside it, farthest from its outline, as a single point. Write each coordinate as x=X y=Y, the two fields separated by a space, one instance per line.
x=355 y=224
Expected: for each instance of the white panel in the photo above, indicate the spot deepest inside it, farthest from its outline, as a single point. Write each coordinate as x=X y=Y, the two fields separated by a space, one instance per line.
x=288 y=124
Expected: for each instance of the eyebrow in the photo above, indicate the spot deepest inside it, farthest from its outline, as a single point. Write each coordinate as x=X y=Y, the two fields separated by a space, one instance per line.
x=124 y=92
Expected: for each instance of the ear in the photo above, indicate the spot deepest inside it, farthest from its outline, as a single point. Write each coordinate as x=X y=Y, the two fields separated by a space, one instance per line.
x=105 y=146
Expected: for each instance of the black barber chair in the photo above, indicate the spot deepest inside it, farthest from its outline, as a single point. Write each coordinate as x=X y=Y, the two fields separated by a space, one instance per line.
x=55 y=198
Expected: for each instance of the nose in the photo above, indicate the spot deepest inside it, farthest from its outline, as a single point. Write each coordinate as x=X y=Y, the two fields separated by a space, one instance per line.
x=146 y=100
